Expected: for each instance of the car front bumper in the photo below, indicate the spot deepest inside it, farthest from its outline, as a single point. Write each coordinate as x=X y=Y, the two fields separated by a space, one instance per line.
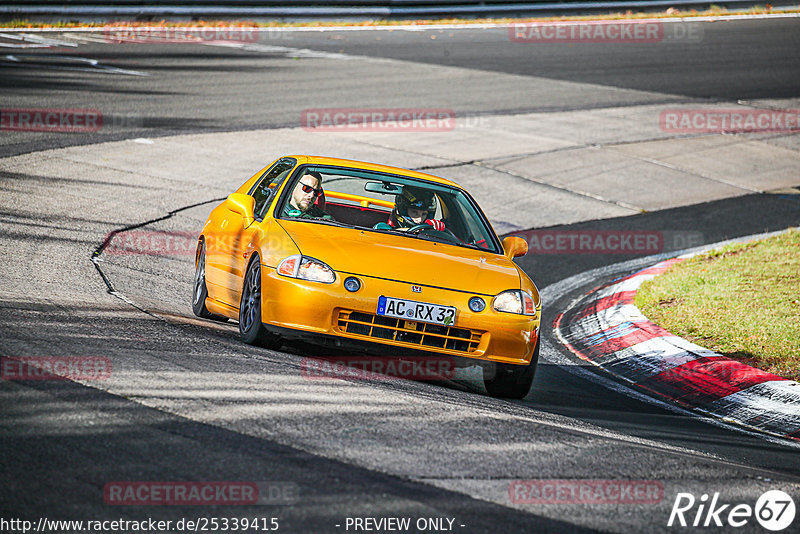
x=302 y=307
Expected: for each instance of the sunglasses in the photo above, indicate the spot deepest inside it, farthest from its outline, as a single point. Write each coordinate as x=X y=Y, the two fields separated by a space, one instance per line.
x=308 y=189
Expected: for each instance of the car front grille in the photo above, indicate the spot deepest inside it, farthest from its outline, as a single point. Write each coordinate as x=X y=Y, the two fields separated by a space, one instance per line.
x=423 y=334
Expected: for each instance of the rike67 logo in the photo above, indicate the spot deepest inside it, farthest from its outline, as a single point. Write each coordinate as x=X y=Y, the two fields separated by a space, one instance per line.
x=774 y=510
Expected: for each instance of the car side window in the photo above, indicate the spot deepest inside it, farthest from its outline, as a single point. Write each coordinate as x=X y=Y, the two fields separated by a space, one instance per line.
x=270 y=183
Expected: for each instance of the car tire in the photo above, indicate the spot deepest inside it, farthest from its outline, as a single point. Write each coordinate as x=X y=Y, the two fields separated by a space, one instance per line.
x=251 y=329
x=508 y=380
x=200 y=293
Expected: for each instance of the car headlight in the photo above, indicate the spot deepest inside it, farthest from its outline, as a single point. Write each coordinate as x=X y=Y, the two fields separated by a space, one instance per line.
x=306 y=268
x=514 y=301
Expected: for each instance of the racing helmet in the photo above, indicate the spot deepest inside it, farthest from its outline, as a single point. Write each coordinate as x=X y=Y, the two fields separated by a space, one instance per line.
x=412 y=197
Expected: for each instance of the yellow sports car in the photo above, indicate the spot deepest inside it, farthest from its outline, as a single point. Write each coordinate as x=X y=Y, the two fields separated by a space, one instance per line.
x=359 y=255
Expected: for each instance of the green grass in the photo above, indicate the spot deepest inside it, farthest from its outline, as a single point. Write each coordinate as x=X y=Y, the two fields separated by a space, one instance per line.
x=742 y=301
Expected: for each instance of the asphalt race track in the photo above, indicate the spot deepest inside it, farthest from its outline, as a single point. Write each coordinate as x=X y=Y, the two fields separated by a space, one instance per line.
x=562 y=136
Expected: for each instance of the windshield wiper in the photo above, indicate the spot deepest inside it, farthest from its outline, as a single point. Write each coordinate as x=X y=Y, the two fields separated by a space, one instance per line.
x=327 y=221
x=429 y=237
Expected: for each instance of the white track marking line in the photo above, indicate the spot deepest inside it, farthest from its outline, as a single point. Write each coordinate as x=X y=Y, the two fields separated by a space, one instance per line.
x=285 y=50
x=84 y=38
x=94 y=65
x=37 y=39
x=14 y=45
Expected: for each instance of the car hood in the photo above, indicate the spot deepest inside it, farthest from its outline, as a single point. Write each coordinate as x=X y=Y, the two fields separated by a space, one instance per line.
x=404 y=259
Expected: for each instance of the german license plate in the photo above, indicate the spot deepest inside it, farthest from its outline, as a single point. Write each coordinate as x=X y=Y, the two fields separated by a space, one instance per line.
x=416 y=311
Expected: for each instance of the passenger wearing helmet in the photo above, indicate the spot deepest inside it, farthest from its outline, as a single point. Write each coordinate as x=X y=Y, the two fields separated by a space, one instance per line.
x=412 y=207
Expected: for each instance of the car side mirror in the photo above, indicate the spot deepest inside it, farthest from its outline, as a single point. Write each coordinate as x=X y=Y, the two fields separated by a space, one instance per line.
x=242 y=204
x=514 y=246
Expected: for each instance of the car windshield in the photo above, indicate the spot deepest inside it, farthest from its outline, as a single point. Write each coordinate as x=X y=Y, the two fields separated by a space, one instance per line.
x=386 y=203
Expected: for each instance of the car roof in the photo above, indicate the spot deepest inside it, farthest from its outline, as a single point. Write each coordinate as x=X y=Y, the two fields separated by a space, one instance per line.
x=322 y=160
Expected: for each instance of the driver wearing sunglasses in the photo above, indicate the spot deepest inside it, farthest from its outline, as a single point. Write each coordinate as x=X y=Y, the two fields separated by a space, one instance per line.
x=305 y=193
